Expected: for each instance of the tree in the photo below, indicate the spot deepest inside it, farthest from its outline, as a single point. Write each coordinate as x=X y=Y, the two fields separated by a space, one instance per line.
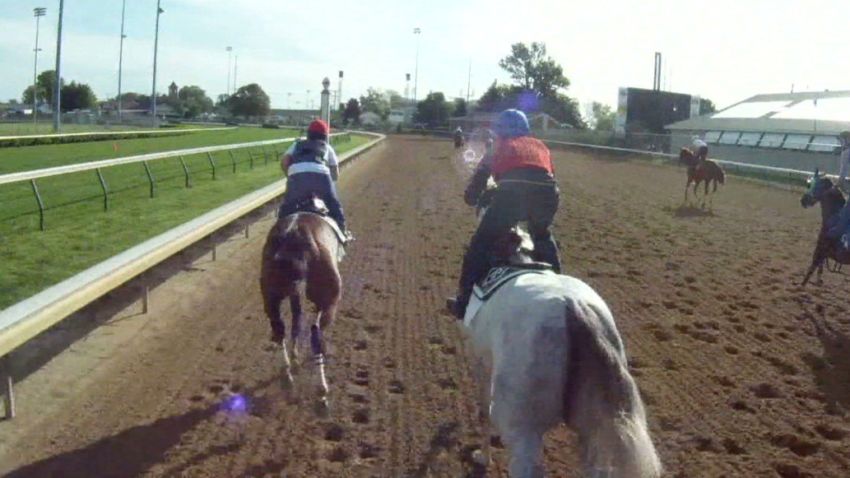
x=194 y=101
x=77 y=96
x=376 y=102
x=45 y=87
x=459 y=108
x=533 y=70
x=706 y=106
x=396 y=100
x=603 y=116
x=351 y=111
x=433 y=110
x=539 y=84
x=249 y=100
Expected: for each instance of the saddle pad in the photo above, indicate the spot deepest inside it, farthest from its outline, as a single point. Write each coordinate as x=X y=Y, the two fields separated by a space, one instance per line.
x=332 y=223
x=497 y=277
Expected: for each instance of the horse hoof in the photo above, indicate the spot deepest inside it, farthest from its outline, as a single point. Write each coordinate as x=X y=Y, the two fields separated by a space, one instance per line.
x=287 y=382
x=322 y=408
x=480 y=459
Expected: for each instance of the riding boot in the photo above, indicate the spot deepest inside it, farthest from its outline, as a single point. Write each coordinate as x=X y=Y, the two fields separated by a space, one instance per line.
x=546 y=250
x=473 y=269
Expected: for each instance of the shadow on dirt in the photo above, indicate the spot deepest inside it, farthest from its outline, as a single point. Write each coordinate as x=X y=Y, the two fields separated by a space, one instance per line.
x=832 y=369
x=686 y=211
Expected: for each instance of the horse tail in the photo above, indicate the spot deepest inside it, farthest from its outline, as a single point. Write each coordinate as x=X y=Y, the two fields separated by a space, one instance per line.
x=601 y=401
x=297 y=247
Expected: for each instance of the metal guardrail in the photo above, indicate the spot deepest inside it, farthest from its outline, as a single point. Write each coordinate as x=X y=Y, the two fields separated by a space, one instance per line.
x=93 y=165
x=733 y=165
x=24 y=320
x=111 y=133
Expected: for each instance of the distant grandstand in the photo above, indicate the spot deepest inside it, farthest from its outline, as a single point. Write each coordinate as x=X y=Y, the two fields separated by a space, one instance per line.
x=792 y=130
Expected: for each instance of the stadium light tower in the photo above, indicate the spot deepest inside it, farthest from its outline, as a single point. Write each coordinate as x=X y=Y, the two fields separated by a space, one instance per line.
x=416 y=31
x=121 y=56
x=57 y=90
x=159 y=11
x=37 y=12
x=229 y=53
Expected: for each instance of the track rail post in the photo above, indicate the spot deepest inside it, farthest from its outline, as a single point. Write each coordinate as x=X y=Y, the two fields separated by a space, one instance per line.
x=150 y=178
x=232 y=160
x=185 y=172
x=104 y=188
x=8 y=387
x=212 y=164
x=40 y=204
x=214 y=248
x=265 y=156
x=251 y=159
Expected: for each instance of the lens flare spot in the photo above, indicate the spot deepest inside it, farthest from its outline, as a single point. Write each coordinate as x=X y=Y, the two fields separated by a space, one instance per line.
x=236 y=403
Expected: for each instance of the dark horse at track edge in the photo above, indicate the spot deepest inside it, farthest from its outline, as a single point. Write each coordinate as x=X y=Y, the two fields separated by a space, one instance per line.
x=822 y=190
x=708 y=171
x=302 y=252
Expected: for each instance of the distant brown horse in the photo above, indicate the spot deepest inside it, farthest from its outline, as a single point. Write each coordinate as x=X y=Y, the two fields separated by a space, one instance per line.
x=821 y=190
x=302 y=251
x=708 y=171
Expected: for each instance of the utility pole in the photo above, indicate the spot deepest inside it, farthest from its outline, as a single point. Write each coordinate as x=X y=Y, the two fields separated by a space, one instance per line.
x=229 y=53
x=121 y=57
x=416 y=31
x=468 y=83
x=57 y=87
x=159 y=11
x=235 y=69
x=339 y=91
x=38 y=12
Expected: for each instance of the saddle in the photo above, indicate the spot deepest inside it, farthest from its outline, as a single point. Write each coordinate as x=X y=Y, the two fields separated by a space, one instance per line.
x=498 y=276
x=316 y=206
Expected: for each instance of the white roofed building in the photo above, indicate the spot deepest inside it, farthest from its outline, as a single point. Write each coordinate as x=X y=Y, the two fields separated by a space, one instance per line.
x=789 y=130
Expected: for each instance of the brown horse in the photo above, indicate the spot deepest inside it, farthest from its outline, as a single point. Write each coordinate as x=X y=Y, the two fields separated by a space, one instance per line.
x=302 y=251
x=707 y=171
x=821 y=190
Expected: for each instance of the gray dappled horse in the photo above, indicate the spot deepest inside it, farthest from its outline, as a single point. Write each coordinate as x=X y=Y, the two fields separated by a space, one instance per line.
x=556 y=356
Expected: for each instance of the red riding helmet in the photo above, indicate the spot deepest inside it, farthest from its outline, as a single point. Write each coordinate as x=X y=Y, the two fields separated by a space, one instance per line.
x=319 y=127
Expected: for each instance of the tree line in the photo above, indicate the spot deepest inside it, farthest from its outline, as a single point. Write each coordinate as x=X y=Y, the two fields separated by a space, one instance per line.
x=187 y=102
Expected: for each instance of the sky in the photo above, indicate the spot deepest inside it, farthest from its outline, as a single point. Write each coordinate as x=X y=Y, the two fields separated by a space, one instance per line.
x=722 y=50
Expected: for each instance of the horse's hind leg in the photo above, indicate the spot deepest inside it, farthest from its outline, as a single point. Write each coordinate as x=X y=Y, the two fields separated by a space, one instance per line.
x=297 y=316
x=526 y=448
x=272 y=306
x=318 y=346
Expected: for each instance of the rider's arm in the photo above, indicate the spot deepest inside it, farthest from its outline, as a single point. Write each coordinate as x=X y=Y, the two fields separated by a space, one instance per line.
x=844 y=161
x=477 y=184
x=333 y=163
x=286 y=158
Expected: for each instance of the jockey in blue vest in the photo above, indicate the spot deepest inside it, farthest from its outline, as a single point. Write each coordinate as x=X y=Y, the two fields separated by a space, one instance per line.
x=311 y=167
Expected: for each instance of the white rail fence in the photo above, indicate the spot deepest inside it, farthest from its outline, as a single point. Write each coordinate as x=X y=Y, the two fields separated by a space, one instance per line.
x=24 y=320
x=768 y=172
x=166 y=131
x=93 y=165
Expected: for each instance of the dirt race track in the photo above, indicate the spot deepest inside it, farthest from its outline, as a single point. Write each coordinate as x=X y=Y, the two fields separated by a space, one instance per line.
x=744 y=373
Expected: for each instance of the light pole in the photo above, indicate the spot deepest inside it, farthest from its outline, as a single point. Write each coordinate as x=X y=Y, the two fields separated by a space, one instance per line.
x=38 y=12
x=307 y=101
x=326 y=103
x=159 y=11
x=229 y=53
x=235 y=69
x=339 y=91
x=121 y=56
x=57 y=89
x=289 y=100
x=416 y=31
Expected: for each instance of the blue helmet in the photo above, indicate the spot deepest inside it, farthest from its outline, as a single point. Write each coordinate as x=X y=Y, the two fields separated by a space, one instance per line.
x=511 y=124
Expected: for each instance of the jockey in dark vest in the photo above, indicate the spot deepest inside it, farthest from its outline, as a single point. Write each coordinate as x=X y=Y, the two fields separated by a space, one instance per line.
x=311 y=167
x=526 y=191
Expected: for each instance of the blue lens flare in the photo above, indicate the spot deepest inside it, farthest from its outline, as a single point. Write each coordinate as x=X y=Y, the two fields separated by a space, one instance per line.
x=528 y=101
x=236 y=403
